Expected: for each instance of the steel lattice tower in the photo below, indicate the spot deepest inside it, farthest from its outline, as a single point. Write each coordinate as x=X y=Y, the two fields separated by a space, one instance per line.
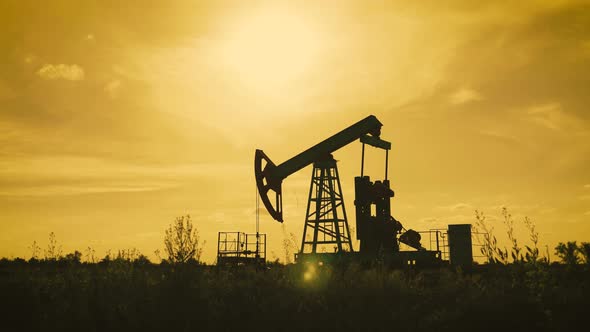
x=326 y=226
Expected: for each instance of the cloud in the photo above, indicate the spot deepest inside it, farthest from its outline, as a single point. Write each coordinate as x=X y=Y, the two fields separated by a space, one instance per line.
x=587 y=186
x=30 y=58
x=428 y=220
x=79 y=189
x=584 y=198
x=112 y=88
x=463 y=96
x=500 y=136
x=459 y=219
x=457 y=207
x=61 y=71
x=552 y=116
x=71 y=175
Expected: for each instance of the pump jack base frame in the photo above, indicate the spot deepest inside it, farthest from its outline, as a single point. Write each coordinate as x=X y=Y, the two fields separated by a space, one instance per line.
x=418 y=259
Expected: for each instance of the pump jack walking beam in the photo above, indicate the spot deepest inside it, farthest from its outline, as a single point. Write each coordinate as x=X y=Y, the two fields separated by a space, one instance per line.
x=269 y=177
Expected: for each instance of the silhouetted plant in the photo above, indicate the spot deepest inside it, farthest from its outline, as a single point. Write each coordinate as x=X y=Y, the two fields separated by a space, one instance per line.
x=74 y=257
x=53 y=251
x=584 y=250
x=289 y=245
x=141 y=260
x=35 y=250
x=489 y=246
x=495 y=254
x=128 y=255
x=532 y=254
x=90 y=255
x=157 y=254
x=273 y=256
x=107 y=257
x=568 y=252
x=509 y=222
x=182 y=241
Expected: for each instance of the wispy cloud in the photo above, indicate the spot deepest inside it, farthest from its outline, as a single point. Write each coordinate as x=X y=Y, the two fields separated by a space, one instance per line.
x=61 y=71
x=464 y=95
x=552 y=116
x=76 y=175
x=587 y=186
x=500 y=136
x=459 y=218
x=428 y=220
x=78 y=189
x=548 y=210
x=457 y=207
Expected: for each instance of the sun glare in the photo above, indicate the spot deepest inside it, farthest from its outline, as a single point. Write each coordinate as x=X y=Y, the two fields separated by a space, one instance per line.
x=310 y=273
x=268 y=49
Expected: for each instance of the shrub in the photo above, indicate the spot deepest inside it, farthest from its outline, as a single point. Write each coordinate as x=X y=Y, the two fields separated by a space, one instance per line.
x=532 y=254
x=182 y=241
x=568 y=252
x=74 y=257
x=584 y=250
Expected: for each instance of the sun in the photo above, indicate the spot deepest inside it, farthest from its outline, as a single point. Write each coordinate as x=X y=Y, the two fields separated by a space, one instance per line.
x=268 y=49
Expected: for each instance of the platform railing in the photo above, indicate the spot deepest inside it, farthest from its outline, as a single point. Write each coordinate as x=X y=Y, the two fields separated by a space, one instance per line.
x=239 y=244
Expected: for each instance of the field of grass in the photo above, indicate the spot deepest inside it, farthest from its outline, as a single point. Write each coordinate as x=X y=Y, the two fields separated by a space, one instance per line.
x=123 y=295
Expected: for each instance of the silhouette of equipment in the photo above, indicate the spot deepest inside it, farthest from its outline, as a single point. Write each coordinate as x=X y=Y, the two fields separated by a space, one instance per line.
x=326 y=224
x=411 y=238
x=269 y=177
x=326 y=234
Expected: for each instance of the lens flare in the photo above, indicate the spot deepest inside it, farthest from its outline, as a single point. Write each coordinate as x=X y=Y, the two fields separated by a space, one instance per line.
x=310 y=272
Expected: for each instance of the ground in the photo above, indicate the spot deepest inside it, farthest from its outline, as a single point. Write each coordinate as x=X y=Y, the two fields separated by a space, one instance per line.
x=140 y=296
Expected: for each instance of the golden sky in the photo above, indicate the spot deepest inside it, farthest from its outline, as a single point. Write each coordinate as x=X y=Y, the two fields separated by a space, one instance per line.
x=118 y=116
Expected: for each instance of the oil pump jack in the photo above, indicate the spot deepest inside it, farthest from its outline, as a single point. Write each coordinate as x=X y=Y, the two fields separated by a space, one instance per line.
x=326 y=225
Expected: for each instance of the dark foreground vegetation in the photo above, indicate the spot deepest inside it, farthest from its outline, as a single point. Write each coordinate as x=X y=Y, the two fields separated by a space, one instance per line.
x=518 y=290
x=135 y=295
